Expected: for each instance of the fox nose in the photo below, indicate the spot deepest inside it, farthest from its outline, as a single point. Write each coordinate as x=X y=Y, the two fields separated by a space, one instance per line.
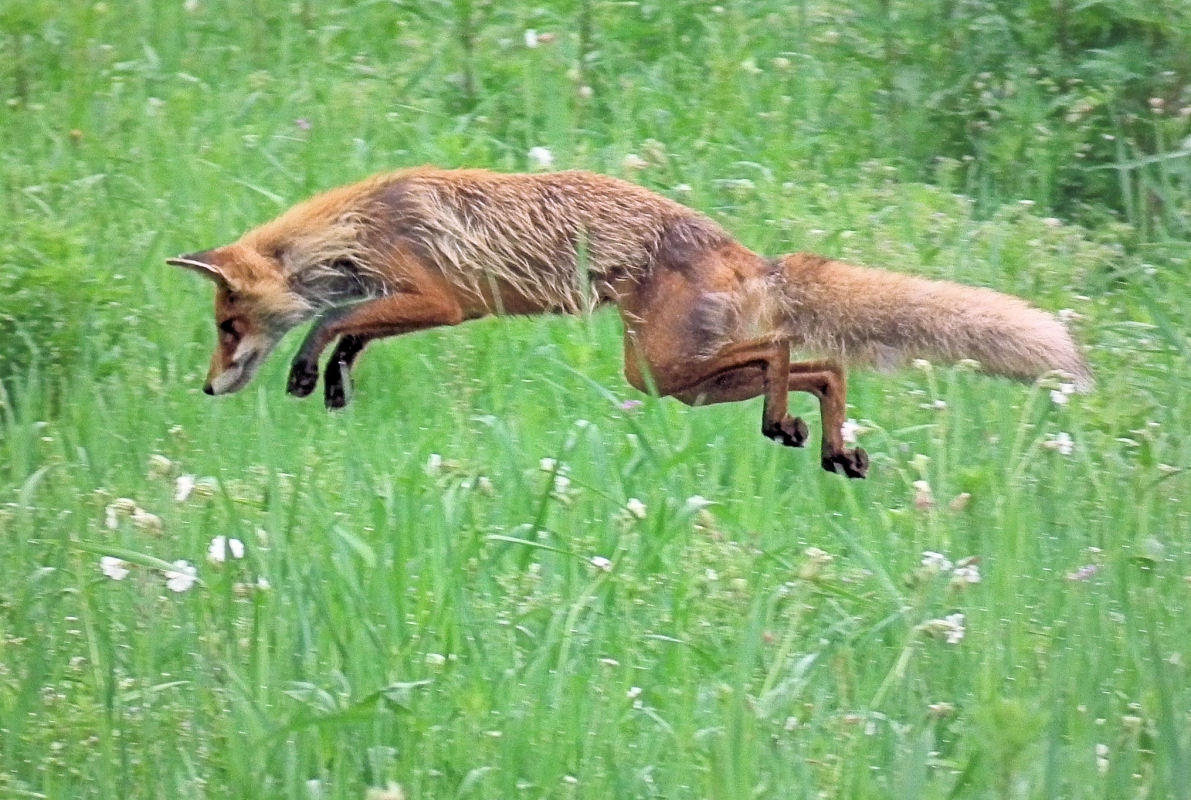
x=208 y=389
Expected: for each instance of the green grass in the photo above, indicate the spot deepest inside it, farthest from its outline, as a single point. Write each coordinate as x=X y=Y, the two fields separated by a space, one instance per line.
x=490 y=578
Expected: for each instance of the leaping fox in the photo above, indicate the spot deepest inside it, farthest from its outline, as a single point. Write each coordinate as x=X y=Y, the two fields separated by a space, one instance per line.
x=706 y=320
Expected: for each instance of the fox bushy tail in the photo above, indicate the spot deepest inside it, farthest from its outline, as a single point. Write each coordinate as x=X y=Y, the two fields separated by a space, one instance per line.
x=879 y=318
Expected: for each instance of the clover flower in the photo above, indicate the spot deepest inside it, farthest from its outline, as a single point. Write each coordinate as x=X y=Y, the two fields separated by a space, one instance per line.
x=182 y=577
x=541 y=157
x=183 y=487
x=936 y=562
x=1061 y=395
x=1061 y=443
x=221 y=548
x=114 y=568
x=949 y=628
x=966 y=572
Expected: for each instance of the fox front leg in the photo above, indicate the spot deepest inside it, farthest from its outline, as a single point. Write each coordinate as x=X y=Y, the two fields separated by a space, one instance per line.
x=303 y=371
x=357 y=324
x=337 y=386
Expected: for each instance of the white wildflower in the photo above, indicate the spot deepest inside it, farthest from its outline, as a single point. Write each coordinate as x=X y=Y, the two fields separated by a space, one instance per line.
x=936 y=562
x=817 y=560
x=924 y=497
x=222 y=548
x=818 y=554
x=966 y=572
x=1061 y=395
x=601 y=563
x=634 y=163
x=541 y=157
x=950 y=628
x=159 y=466
x=120 y=507
x=531 y=38
x=182 y=577
x=183 y=487
x=1061 y=442
x=243 y=589
x=849 y=430
x=114 y=568
x=146 y=521
x=206 y=487
x=954 y=628
x=635 y=508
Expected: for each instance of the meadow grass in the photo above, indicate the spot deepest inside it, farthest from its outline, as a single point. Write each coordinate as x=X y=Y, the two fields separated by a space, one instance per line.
x=501 y=572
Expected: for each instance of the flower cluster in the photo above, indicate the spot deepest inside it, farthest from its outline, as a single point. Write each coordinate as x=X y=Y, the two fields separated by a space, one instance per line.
x=949 y=628
x=961 y=574
x=181 y=575
x=124 y=507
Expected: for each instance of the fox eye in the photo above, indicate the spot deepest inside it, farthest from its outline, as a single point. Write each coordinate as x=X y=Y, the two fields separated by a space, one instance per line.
x=228 y=326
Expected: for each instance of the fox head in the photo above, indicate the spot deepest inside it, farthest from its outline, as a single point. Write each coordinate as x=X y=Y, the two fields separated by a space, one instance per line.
x=254 y=308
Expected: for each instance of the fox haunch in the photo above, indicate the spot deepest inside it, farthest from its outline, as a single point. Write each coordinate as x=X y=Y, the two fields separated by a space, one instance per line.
x=706 y=320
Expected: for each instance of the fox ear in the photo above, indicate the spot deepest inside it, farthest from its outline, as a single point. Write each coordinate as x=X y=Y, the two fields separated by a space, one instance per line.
x=201 y=263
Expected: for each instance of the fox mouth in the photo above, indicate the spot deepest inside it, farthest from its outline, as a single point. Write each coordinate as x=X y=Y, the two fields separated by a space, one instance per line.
x=235 y=377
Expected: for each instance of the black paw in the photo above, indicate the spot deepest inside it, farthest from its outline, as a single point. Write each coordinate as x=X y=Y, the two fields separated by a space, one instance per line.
x=853 y=463
x=337 y=385
x=790 y=431
x=303 y=377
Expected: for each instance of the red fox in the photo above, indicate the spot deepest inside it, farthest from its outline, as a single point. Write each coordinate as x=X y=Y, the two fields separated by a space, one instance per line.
x=705 y=319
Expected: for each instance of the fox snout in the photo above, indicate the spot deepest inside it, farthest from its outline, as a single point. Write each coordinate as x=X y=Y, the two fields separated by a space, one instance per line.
x=236 y=361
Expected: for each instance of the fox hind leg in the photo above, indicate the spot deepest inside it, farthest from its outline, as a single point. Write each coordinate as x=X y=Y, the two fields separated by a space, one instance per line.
x=825 y=380
x=776 y=422
x=741 y=372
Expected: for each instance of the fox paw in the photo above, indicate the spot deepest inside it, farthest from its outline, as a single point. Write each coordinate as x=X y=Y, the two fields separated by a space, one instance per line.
x=853 y=463
x=337 y=386
x=303 y=377
x=790 y=431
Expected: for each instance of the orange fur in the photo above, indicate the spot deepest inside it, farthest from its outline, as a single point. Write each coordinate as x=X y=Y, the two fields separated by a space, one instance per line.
x=706 y=320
